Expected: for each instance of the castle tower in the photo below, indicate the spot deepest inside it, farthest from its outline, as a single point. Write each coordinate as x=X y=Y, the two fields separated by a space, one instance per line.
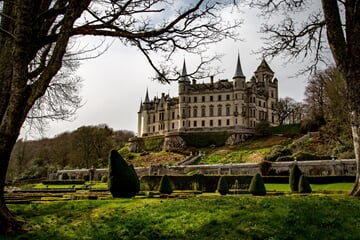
x=239 y=88
x=184 y=83
x=143 y=115
x=263 y=72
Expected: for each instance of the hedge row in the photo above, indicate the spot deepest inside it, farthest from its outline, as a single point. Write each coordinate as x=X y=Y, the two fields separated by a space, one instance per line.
x=208 y=183
x=205 y=183
x=63 y=182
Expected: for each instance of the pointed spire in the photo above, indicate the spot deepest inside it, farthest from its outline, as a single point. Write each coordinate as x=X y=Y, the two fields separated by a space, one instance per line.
x=147 y=100
x=238 y=71
x=184 y=73
x=141 y=106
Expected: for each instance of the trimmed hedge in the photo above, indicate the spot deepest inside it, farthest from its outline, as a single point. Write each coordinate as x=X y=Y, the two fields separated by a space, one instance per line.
x=223 y=186
x=257 y=186
x=123 y=181
x=165 y=185
x=205 y=139
x=294 y=178
x=208 y=183
x=63 y=182
x=304 y=185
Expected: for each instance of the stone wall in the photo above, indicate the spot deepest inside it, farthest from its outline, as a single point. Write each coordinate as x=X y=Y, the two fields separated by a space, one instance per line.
x=309 y=168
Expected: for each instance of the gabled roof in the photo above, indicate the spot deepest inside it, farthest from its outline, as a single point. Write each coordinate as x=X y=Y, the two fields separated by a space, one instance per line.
x=238 y=71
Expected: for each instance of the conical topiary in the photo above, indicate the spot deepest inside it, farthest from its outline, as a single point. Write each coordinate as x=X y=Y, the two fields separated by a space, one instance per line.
x=304 y=185
x=165 y=185
x=223 y=186
x=123 y=181
x=257 y=186
x=136 y=178
x=294 y=178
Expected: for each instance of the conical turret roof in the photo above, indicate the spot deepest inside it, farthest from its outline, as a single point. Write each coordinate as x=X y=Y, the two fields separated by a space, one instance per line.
x=184 y=74
x=238 y=71
x=147 y=100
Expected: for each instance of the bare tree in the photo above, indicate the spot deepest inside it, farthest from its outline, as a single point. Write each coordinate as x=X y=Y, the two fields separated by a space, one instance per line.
x=335 y=26
x=285 y=109
x=35 y=37
x=316 y=98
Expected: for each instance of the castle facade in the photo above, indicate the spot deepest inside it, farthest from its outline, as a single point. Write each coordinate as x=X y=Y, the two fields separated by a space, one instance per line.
x=236 y=105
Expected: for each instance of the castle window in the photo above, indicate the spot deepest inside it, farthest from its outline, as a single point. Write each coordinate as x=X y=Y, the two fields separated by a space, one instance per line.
x=195 y=112
x=203 y=111
x=272 y=105
x=203 y=98
x=227 y=110
x=173 y=125
x=161 y=116
x=203 y=123
x=211 y=112
x=219 y=110
x=259 y=103
x=219 y=97
x=211 y=123
x=228 y=97
x=195 y=99
x=272 y=94
x=227 y=122
x=235 y=95
x=211 y=98
x=264 y=104
x=153 y=118
x=219 y=122
x=195 y=124
x=173 y=115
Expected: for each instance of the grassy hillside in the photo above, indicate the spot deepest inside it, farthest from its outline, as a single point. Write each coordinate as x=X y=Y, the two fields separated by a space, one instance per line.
x=284 y=144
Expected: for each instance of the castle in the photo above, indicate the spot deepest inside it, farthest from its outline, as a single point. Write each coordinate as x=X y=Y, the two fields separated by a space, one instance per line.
x=222 y=105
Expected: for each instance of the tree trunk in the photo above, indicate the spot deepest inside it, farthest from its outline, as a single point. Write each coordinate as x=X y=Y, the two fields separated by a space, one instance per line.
x=355 y=127
x=8 y=223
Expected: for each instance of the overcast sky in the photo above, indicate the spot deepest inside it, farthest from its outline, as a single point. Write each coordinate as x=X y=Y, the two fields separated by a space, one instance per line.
x=116 y=82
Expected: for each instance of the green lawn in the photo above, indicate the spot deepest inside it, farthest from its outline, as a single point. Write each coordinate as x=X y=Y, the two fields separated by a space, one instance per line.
x=201 y=217
x=335 y=187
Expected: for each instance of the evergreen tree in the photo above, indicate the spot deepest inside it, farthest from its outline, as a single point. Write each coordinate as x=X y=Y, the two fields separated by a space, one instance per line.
x=304 y=185
x=123 y=181
x=223 y=186
x=257 y=186
x=165 y=185
x=294 y=178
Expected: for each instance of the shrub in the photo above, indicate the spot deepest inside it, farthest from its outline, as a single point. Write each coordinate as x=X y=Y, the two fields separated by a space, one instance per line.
x=263 y=128
x=123 y=181
x=165 y=185
x=277 y=152
x=304 y=185
x=104 y=178
x=294 y=178
x=257 y=186
x=303 y=156
x=265 y=167
x=223 y=186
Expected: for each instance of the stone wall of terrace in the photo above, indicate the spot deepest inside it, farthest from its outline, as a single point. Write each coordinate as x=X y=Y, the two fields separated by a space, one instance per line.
x=309 y=168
